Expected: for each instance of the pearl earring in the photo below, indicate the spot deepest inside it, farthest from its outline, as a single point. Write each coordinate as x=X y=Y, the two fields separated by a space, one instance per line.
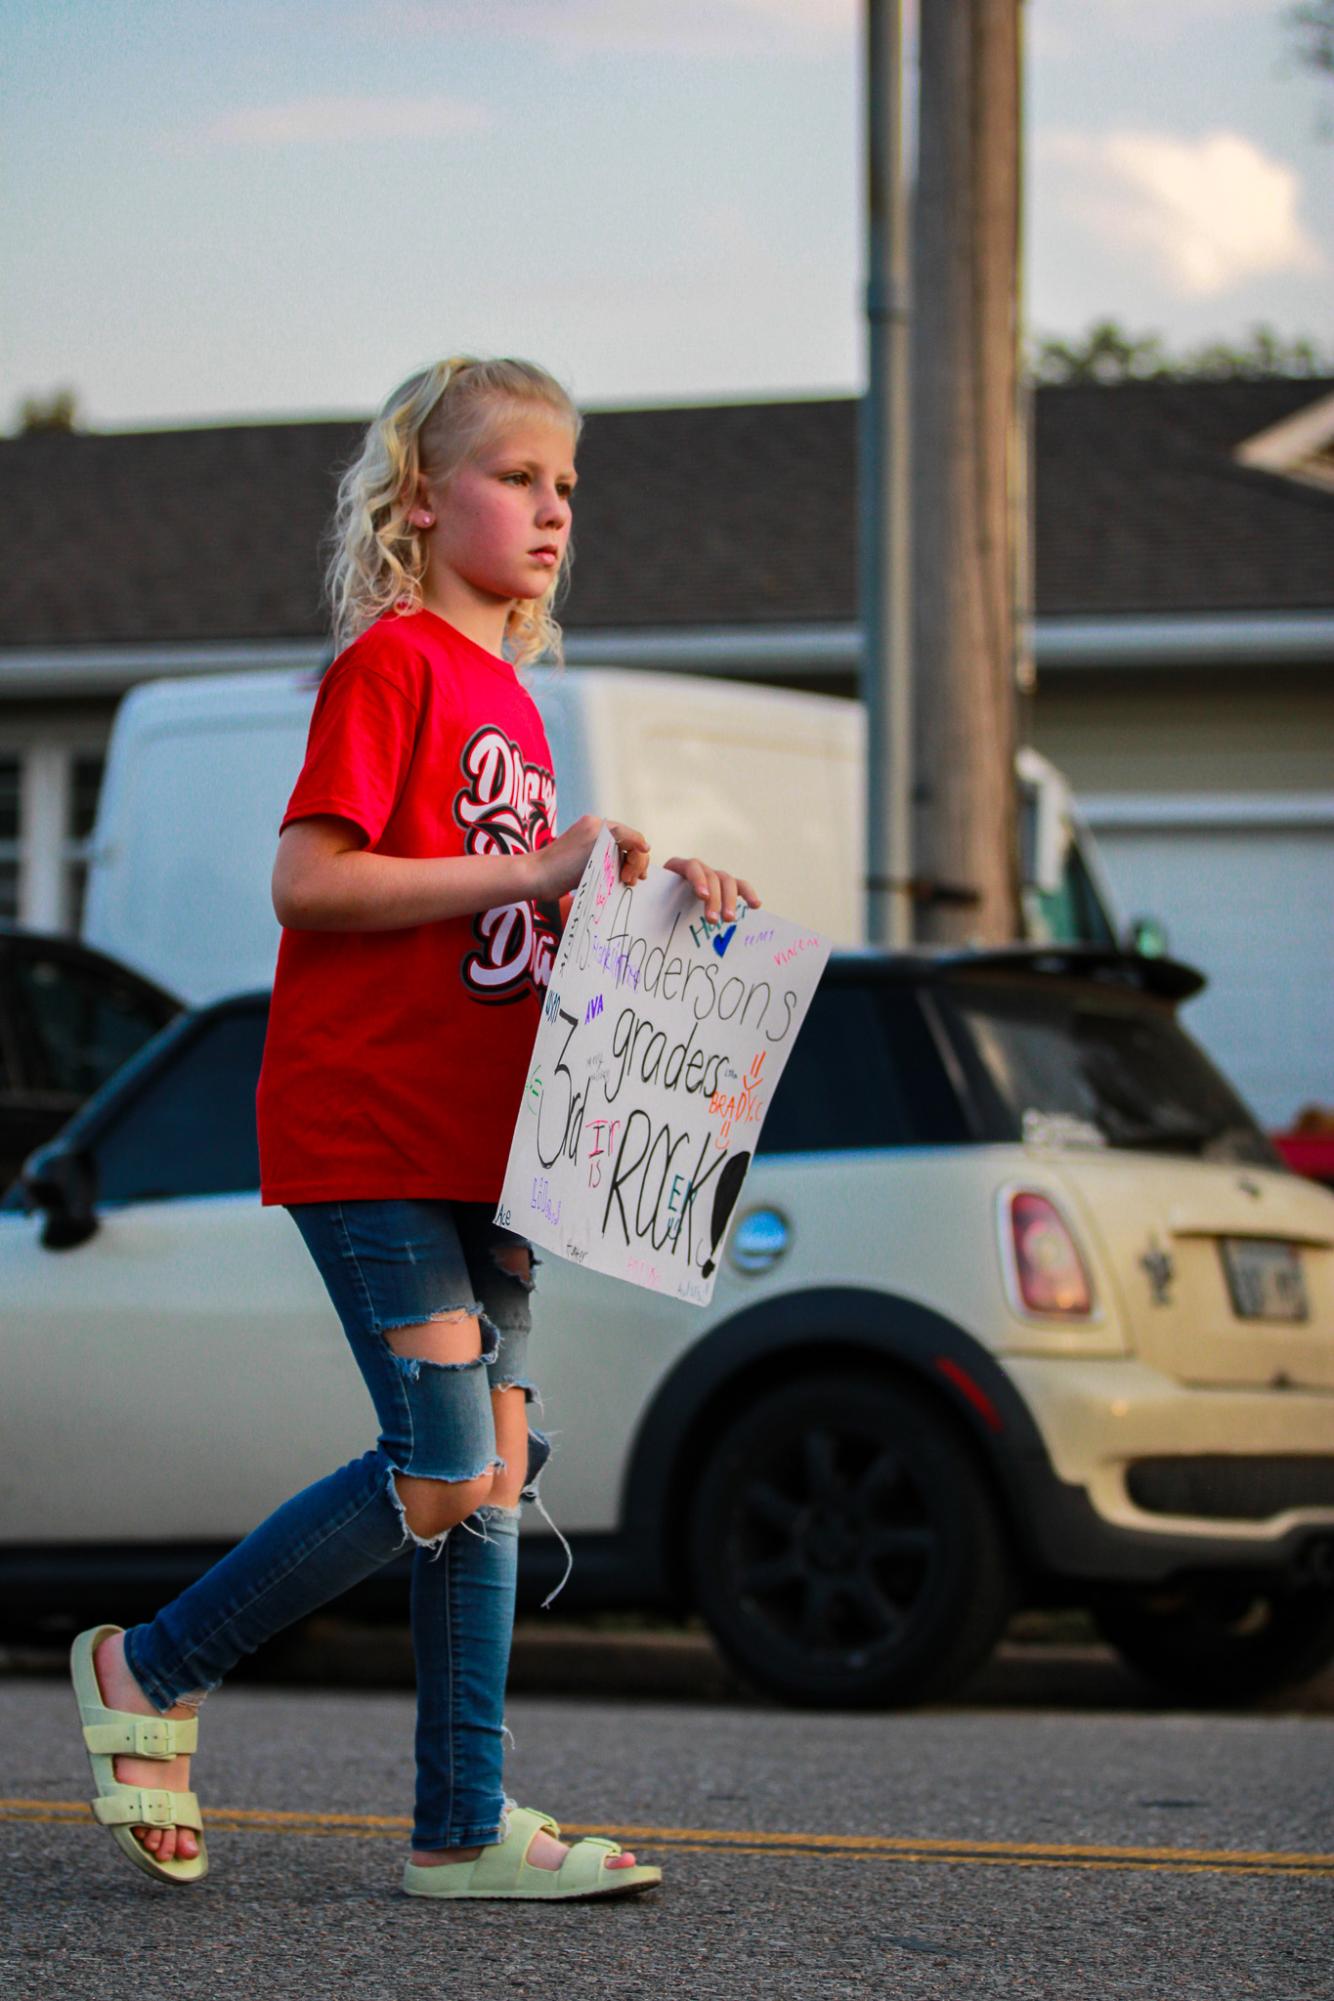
x=423 y=520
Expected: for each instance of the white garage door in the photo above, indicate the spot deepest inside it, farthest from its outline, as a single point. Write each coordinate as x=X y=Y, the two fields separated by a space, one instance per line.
x=1253 y=908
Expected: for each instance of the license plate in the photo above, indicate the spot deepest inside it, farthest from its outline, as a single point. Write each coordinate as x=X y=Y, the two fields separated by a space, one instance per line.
x=1265 y=1279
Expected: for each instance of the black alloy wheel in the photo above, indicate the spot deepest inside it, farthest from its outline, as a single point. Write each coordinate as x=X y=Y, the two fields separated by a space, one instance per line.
x=1218 y=1640
x=844 y=1547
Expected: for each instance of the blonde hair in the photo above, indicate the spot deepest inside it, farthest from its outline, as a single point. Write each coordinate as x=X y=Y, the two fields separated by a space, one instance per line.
x=427 y=428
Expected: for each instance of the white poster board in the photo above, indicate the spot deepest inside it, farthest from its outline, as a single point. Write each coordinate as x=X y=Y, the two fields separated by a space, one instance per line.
x=661 y=1041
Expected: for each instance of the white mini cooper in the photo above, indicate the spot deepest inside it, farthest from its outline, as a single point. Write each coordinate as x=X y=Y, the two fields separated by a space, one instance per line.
x=1019 y=1306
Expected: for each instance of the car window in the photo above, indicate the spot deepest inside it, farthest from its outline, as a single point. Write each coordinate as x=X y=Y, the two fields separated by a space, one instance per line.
x=1074 y=912
x=191 y=1131
x=863 y=1072
x=1084 y=1069
x=80 y=1021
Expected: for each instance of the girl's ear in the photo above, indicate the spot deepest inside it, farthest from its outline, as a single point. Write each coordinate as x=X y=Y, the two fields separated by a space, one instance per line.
x=421 y=513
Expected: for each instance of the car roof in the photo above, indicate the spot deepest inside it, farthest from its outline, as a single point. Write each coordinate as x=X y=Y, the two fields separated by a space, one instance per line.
x=1099 y=965
x=22 y=938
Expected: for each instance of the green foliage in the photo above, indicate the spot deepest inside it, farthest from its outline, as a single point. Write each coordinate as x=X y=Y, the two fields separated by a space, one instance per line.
x=1312 y=27
x=57 y=412
x=1108 y=352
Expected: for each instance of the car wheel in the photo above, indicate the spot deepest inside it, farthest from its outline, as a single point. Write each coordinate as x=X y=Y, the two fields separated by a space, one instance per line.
x=844 y=1548
x=1217 y=1640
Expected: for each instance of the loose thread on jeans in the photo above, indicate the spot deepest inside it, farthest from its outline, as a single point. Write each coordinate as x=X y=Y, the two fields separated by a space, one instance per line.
x=569 y=1558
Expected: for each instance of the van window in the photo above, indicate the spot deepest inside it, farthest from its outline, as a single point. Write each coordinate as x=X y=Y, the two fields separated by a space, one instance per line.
x=192 y=1130
x=1074 y=914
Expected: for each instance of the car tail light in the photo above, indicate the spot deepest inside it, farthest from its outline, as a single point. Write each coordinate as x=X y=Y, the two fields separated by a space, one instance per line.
x=1048 y=1269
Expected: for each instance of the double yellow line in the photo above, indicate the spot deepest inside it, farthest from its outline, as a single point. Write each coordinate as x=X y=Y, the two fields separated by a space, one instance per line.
x=734 y=1841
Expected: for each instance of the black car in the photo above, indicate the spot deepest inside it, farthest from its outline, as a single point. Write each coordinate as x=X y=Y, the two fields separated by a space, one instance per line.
x=69 y=1017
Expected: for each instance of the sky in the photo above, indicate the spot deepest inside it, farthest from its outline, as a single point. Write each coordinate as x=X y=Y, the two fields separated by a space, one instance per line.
x=220 y=212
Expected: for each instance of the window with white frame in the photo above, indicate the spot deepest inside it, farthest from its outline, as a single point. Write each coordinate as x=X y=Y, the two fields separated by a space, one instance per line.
x=11 y=791
x=48 y=803
x=85 y=784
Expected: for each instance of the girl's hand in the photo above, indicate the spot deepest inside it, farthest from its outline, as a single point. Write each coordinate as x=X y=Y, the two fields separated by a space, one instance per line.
x=558 y=866
x=718 y=889
x=634 y=852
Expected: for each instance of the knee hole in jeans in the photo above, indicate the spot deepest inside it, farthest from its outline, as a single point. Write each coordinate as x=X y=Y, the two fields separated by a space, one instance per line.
x=516 y=1261
x=448 y=1339
x=430 y=1508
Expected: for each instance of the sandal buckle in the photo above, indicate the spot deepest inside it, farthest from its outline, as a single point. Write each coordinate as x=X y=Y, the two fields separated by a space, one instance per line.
x=153 y=1809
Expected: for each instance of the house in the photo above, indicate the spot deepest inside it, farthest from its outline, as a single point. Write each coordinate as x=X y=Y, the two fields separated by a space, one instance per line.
x=1184 y=633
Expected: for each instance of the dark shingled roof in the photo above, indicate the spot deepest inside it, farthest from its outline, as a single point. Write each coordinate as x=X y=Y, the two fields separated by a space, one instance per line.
x=704 y=516
x=1141 y=507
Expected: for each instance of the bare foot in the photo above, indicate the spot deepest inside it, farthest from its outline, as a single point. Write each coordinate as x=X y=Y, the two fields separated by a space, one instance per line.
x=120 y=1690
x=545 y=1853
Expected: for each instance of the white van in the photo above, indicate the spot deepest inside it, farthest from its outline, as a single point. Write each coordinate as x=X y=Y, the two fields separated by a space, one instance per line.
x=198 y=772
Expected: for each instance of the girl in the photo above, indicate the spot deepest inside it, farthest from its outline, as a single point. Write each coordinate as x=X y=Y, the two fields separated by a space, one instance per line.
x=418 y=880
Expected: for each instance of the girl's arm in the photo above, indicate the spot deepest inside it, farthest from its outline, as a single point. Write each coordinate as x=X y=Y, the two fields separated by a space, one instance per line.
x=325 y=878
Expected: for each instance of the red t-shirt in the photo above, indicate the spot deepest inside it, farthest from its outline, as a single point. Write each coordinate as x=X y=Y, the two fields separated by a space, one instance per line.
x=395 y=1060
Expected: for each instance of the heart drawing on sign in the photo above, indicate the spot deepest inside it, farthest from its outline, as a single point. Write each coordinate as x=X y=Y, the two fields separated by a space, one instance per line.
x=724 y=939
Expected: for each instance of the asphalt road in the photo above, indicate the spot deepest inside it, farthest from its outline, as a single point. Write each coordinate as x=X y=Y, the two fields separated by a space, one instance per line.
x=971 y=1851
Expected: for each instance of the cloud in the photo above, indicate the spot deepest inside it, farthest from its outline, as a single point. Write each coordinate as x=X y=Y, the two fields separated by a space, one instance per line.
x=1212 y=213
x=319 y=121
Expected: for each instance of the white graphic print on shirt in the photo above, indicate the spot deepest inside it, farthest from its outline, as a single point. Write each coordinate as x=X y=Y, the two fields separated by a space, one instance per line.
x=507 y=807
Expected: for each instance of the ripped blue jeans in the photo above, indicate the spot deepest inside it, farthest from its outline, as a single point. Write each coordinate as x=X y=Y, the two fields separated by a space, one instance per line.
x=386 y=1265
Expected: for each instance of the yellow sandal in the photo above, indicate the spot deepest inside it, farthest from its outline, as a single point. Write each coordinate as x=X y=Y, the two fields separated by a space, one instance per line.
x=115 y=1733
x=503 y=1870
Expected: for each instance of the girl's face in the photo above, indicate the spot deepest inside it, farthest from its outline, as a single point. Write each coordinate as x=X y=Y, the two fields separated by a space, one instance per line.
x=502 y=521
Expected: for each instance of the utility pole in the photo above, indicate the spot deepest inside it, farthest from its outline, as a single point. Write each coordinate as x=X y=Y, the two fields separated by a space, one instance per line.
x=967 y=471
x=885 y=497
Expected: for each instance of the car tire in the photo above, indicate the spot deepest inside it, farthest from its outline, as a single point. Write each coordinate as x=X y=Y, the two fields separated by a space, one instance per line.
x=844 y=1548
x=1218 y=1640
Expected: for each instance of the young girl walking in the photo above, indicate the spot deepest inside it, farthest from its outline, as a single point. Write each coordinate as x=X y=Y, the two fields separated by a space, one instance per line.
x=418 y=882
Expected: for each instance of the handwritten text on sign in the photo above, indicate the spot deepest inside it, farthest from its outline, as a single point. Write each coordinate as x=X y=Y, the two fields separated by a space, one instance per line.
x=661 y=1041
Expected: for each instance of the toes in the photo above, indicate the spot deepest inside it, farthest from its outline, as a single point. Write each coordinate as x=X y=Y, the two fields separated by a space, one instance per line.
x=168 y=1842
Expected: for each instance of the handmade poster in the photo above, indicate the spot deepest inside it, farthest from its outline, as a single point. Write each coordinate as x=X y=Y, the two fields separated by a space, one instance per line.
x=661 y=1042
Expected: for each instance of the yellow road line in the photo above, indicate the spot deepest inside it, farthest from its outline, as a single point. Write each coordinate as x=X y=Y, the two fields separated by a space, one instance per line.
x=738 y=1841
x=961 y=1853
